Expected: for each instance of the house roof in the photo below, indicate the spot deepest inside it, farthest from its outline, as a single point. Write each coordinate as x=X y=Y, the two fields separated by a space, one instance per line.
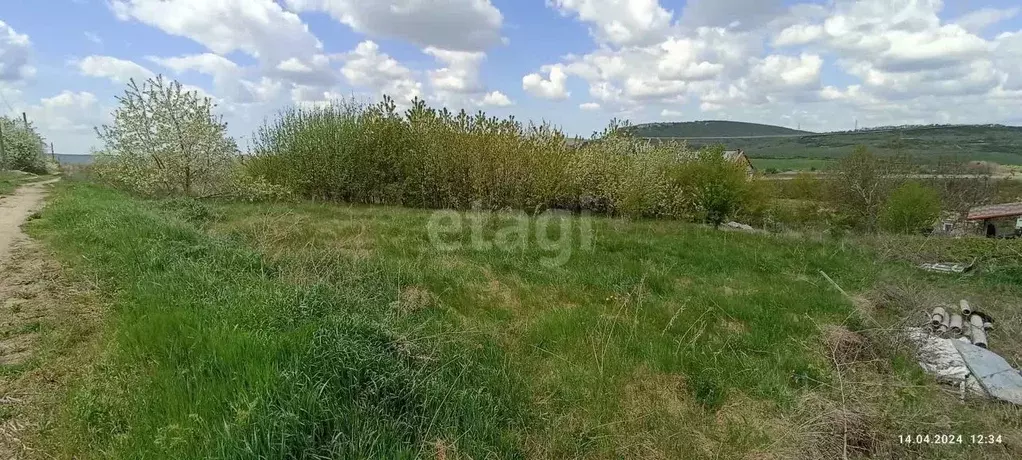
x=733 y=155
x=738 y=155
x=994 y=211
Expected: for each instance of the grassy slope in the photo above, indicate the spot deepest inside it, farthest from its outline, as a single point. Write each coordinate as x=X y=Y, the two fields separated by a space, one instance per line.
x=999 y=144
x=589 y=335
x=300 y=330
x=214 y=355
x=713 y=128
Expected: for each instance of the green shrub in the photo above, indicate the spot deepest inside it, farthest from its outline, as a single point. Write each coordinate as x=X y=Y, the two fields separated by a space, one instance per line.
x=424 y=158
x=912 y=208
x=430 y=158
x=22 y=147
x=721 y=187
x=861 y=185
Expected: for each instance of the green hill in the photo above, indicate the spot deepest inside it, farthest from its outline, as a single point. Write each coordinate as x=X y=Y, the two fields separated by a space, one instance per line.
x=711 y=128
x=994 y=143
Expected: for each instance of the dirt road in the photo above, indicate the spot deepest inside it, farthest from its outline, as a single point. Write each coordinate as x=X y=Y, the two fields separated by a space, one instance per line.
x=30 y=297
x=14 y=209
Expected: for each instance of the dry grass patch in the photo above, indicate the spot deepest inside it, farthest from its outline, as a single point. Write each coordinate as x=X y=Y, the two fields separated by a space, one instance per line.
x=415 y=298
x=878 y=393
x=498 y=294
x=50 y=332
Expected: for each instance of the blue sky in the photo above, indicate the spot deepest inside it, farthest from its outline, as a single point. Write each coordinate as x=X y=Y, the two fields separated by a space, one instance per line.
x=820 y=65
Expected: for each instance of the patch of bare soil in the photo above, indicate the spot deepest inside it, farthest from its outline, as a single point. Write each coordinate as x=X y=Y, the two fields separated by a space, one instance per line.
x=14 y=209
x=47 y=323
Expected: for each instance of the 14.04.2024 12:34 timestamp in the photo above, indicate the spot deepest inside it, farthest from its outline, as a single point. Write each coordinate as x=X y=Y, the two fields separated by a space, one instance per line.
x=950 y=439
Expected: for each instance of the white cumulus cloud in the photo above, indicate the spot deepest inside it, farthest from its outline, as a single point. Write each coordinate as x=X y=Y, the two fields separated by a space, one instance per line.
x=367 y=67
x=15 y=49
x=552 y=87
x=260 y=28
x=461 y=25
x=620 y=22
x=115 y=69
x=496 y=99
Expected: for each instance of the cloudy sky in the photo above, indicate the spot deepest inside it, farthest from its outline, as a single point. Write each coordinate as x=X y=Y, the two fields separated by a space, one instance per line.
x=818 y=64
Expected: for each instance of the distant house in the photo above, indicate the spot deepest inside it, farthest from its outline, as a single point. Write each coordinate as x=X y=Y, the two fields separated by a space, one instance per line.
x=998 y=220
x=951 y=223
x=739 y=156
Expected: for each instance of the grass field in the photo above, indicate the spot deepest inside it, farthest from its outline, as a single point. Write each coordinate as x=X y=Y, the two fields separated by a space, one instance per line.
x=304 y=330
x=793 y=164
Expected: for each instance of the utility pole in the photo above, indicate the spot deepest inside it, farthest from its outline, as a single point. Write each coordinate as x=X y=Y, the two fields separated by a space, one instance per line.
x=24 y=117
x=53 y=153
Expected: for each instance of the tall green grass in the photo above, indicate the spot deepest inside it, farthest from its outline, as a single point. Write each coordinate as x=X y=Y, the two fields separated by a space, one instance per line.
x=438 y=159
x=277 y=337
x=633 y=349
x=210 y=354
x=318 y=330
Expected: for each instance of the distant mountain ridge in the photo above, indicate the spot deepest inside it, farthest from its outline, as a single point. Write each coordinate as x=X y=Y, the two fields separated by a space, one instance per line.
x=712 y=128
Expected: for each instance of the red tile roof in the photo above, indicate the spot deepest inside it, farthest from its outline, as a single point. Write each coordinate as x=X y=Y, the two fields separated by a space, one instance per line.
x=994 y=211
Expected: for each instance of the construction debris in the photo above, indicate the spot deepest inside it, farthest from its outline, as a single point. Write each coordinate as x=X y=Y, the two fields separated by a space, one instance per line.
x=964 y=361
x=997 y=378
x=948 y=267
x=956 y=324
x=937 y=317
x=740 y=226
x=939 y=357
x=970 y=323
x=978 y=334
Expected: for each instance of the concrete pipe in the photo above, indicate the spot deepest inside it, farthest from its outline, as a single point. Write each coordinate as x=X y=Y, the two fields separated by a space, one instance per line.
x=979 y=337
x=937 y=316
x=966 y=308
x=956 y=323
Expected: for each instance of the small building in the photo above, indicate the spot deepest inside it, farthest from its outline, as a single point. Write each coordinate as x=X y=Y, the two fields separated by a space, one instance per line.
x=952 y=223
x=739 y=156
x=998 y=220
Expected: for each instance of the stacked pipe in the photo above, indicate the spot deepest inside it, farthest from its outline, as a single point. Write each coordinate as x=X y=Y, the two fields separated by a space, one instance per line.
x=955 y=324
x=968 y=323
x=978 y=334
x=939 y=319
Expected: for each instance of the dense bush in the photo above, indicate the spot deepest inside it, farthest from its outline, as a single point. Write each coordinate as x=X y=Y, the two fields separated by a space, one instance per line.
x=438 y=159
x=721 y=187
x=861 y=185
x=22 y=147
x=911 y=208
